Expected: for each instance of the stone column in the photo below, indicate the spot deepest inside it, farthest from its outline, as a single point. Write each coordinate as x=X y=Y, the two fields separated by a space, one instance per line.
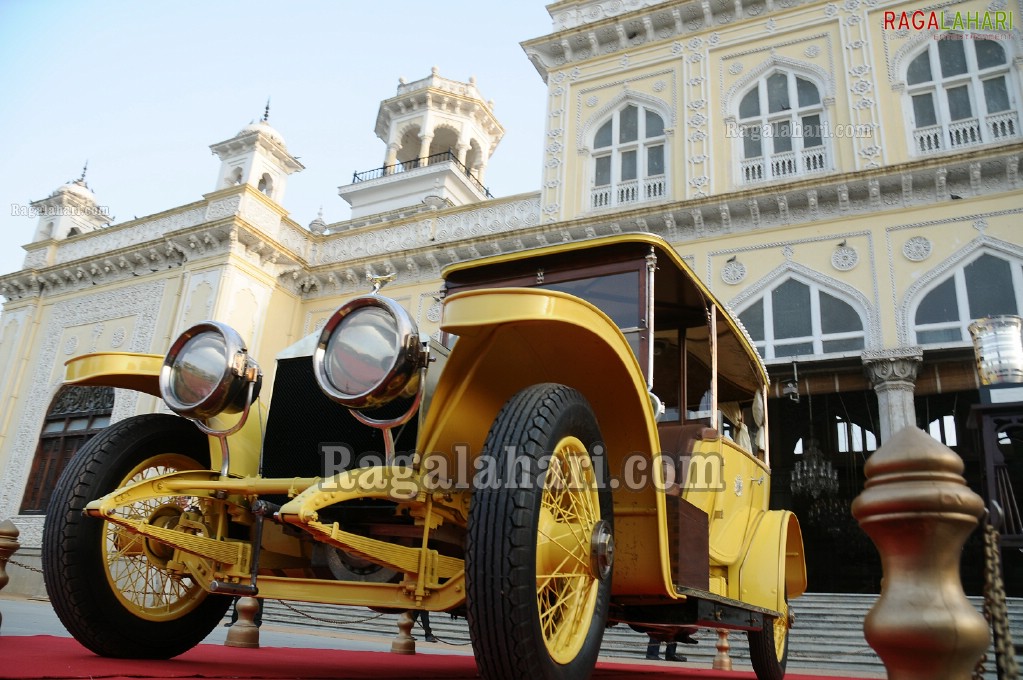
x=424 y=148
x=391 y=158
x=892 y=374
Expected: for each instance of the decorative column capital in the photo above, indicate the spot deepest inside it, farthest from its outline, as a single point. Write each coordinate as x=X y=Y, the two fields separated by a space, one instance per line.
x=896 y=368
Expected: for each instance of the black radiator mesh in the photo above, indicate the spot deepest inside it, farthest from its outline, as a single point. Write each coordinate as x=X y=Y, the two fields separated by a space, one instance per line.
x=304 y=425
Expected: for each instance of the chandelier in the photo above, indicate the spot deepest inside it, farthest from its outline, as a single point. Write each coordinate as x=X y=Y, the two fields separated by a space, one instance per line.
x=814 y=475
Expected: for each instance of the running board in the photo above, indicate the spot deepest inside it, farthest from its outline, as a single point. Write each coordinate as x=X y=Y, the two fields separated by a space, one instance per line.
x=700 y=609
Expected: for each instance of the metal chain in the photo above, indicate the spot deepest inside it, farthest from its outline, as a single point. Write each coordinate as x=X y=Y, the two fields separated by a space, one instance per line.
x=24 y=566
x=336 y=622
x=994 y=600
x=339 y=622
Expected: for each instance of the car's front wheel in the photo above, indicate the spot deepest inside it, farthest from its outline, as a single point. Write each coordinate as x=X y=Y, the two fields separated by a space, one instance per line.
x=108 y=585
x=540 y=545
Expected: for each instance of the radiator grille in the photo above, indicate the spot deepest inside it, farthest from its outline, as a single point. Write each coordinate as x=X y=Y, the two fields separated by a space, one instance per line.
x=302 y=420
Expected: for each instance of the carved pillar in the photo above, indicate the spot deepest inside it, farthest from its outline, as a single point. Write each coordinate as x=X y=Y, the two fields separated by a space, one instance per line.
x=460 y=151
x=892 y=374
x=918 y=511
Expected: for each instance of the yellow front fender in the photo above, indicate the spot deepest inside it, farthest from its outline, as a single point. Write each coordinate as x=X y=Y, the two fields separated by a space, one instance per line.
x=511 y=338
x=126 y=370
x=141 y=373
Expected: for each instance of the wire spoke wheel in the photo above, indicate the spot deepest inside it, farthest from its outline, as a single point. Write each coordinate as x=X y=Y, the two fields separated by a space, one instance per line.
x=566 y=587
x=133 y=568
x=540 y=547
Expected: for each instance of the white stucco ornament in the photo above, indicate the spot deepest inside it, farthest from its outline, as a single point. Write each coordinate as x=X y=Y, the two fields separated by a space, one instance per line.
x=917 y=249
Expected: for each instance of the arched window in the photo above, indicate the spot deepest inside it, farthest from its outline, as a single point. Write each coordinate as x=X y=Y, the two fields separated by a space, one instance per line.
x=853 y=438
x=961 y=93
x=76 y=415
x=985 y=286
x=781 y=128
x=795 y=318
x=266 y=185
x=629 y=158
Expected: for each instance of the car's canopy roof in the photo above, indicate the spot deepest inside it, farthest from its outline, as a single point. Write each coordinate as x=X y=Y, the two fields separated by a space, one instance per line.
x=680 y=297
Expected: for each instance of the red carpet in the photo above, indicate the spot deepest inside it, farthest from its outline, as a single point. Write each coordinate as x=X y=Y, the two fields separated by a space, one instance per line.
x=43 y=657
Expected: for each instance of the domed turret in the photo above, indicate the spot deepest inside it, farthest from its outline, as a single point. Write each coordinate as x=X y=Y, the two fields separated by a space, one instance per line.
x=262 y=127
x=256 y=156
x=69 y=210
x=440 y=135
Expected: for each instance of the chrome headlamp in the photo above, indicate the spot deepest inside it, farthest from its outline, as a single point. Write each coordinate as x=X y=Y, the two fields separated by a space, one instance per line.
x=207 y=371
x=369 y=353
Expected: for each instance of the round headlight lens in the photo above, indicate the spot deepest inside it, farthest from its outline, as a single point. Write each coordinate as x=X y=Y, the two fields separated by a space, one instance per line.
x=361 y=351
x=198 y=368
x=207 y=371
x=368 y=353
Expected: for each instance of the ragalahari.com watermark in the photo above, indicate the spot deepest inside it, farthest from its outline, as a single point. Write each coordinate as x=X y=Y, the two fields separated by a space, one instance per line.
x=21 y=210
x=797 y=130
x=408 y=474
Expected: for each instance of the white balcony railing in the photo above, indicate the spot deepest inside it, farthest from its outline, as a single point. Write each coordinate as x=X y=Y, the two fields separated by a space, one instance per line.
x=815 y=159
x=600 y=197
x=1003 y=125
x=627 y=192
x=968 y=132
x=631 y=191
x=654 y=188
x=928 y=139
x=752 y=170
x=964 y=133
x=781 y=165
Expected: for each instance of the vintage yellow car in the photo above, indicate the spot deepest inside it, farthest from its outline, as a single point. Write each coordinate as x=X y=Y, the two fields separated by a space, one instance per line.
x=583 y=444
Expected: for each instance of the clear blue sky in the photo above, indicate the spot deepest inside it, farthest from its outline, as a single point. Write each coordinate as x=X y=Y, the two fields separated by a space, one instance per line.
x=141 y=89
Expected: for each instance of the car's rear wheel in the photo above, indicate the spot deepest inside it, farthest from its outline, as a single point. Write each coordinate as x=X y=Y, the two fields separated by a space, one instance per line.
x=540 y=545
x=106 y=584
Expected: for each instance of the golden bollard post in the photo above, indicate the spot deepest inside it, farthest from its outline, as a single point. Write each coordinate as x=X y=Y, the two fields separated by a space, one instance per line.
x=244 y=632
x=8 y=546
x=403 y=642
x=722 y=661
x=918 y=511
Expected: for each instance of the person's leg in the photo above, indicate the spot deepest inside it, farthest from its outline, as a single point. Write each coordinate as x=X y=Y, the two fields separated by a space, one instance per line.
x=652 y=648
x=670 y=653
x=430 y=637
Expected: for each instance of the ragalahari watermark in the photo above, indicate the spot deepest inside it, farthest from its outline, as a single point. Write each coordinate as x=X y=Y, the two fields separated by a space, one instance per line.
x=21 y=210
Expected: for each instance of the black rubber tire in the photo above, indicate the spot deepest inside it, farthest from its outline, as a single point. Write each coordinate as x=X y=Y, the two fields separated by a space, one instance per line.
x=74 y=570
x=763 y=653
x=501 y=548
